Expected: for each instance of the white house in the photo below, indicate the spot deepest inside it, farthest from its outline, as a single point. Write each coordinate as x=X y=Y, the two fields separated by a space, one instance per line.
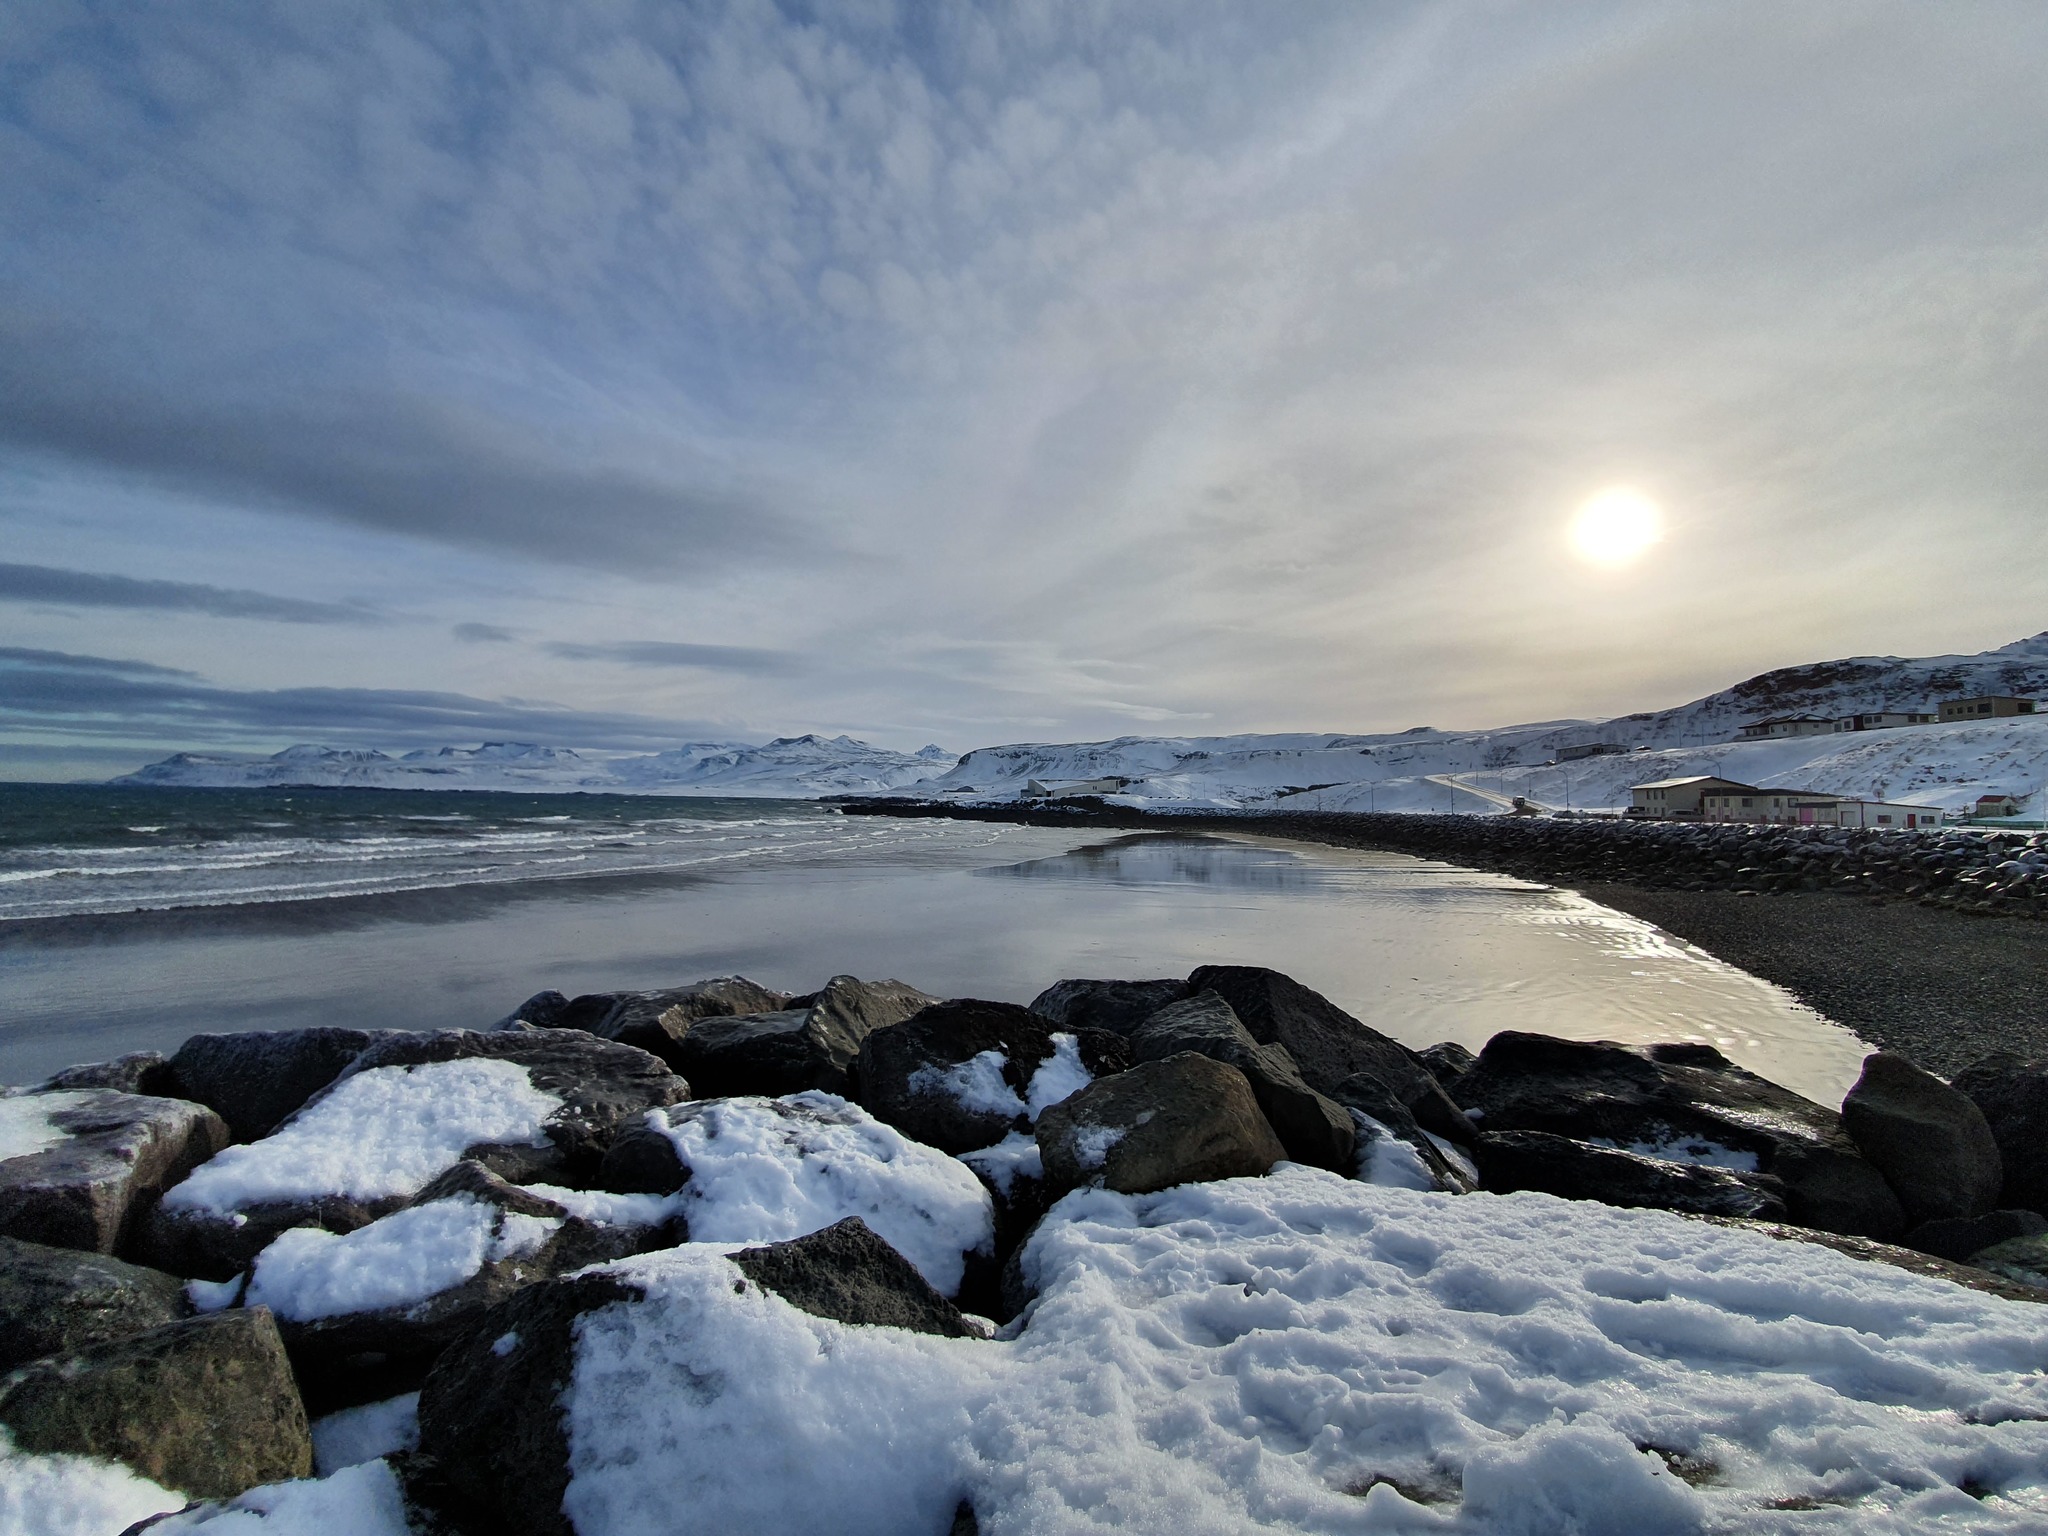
x=1882 y=720
x=1785 y=725
x=1828 y=811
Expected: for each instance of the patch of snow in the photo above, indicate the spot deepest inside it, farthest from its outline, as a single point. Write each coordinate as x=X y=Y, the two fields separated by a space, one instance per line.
x=976 y=1083
x=406 y=1257
x=505 y=1343
x=215 y=1295
x=1305 y=1352
x=1686 y=1149
x=73 y=1495
x=388 y=1131
x=362 y=1500
x=1015 y=1154
x=1456 y=1156
x=521 y=1236
x=766 y=1170
x=1386 y=1160
x=356 y=1435
x=25 y=1124
x=1058 y=1077
x=1092 y=1144
x=603 y=1209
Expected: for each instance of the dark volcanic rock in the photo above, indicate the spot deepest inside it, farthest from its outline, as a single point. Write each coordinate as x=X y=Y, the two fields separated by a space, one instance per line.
x=658 y=1021
x=905 y=1075
x=119 y=1151
x=57 y=1299
x=491 y=1415
x=1447 y=1062
x=1314 y=1128
x=846 y=1273
x=1117 y=1006
x=642 y=1160
x=143 y=1072
x=207 y=1406
x=793 y=1049
x=2013 y=1094
x=2024 y=1259
x=603 y=1086
x=1327 y=1044
x=1372 y=1098
x=1682 y=1095
x=1929 y=1140
x=1556 y=1165
x=1182 y=1120
x=255 y=1080
x=1957 y=1237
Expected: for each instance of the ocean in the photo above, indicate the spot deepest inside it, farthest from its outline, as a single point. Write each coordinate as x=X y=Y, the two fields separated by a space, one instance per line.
x=131 y=918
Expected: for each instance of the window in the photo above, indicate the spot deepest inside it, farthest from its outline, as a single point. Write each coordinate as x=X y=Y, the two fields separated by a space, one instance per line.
x=1884 y=821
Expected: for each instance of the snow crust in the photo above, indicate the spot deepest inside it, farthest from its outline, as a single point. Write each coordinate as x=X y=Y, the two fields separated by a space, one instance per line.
x=766 y=1170
x=357 y=1501
x=1307 y=1353
x=1059 y=1076
x=364 y=1433
x=388 y=1131
x=73 y=1495
x=1388 y=1161
x=1016 y=1154
x=25 y=1124
x=602 y=1209
x=977 y=1083
x=406 y=1257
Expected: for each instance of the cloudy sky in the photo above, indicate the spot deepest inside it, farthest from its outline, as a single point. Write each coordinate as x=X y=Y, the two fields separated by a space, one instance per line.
x=615 y=375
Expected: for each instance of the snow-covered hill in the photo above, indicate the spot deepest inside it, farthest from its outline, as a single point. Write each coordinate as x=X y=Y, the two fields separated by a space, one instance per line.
x=1480 y=771
x=794 y=767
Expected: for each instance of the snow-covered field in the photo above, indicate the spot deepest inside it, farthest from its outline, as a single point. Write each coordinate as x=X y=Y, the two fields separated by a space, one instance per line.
x=1300 y=1352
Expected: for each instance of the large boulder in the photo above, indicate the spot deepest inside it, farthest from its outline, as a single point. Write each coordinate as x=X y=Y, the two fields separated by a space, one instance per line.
x=2012 y=1092
x=1181 y=1120
x=57 y=1299
x=530 y=1105
x=658 y=1021
x=792 y=1049
x=206 y=1406
x=256 y=1080
x=1557 y=1165
x=1957 y=1237
x=364 y=1313
x=1117 y=1006
x=1683 y=1103
x=1327 y=1044
x=963 y=1074
x=78 y=1167
x=1314 y=1128
x=2022 y=1259
x=1447 y=1062
x=143 y=1072
x=766 y=1170
x=706 y=1334
x=1932 y=1144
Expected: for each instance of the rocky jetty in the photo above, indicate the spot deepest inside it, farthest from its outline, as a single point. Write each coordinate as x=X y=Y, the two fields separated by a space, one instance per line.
x=496 y=1218
x=1983 y=873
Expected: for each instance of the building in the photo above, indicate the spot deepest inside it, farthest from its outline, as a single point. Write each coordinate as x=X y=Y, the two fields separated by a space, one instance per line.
x=1986 y=707
x=1061 y=789
x=1883 y=720
x=1590 y=749
x=1680 y=797
x=1785 y=725
x=1996 y=805
x=1742 y=803
x=1830 y=811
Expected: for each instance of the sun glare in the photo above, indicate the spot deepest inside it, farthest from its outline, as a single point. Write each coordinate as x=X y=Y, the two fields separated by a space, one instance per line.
x=1616 y=527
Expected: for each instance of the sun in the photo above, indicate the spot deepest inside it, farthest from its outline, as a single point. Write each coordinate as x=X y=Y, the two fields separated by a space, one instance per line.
x=1616 y=527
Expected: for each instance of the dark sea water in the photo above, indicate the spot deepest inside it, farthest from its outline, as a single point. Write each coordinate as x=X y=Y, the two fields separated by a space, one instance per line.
x=131 y=918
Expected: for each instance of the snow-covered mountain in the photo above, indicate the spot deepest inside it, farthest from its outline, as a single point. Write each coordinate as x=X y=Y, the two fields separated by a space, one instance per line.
x=791 y=767
x=1427 y=769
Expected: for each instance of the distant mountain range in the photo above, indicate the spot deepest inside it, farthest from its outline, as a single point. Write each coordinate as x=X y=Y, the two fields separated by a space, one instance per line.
x=790 y=767
x=1419 y=769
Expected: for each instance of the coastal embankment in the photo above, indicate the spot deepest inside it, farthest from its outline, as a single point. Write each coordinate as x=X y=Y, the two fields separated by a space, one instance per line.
x=1929 y=943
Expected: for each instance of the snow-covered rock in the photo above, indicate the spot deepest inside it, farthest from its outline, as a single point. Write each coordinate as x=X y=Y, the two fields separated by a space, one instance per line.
x=75 y=1166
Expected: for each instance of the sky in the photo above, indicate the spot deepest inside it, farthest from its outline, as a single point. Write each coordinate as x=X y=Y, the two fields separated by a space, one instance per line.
x=619 y=375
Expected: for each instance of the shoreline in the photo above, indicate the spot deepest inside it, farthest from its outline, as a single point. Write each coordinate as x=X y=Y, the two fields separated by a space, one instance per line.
x=1938 y=983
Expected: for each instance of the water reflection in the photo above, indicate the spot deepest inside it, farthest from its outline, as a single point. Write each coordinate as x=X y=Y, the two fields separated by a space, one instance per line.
x=1172 y=859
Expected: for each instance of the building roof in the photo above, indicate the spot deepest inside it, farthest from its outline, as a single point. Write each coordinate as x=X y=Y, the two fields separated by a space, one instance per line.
x=1698 y=778
x=1790 y=720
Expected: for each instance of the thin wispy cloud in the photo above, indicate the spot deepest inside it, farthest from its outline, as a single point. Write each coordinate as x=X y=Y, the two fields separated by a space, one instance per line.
x=89 y=589
x=669 y=653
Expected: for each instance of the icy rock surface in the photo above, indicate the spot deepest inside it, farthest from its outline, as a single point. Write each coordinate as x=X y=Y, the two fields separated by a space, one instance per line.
x=366 y=1432
x=1302 y=1352
x=382 y=1133
x=765 y=1170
